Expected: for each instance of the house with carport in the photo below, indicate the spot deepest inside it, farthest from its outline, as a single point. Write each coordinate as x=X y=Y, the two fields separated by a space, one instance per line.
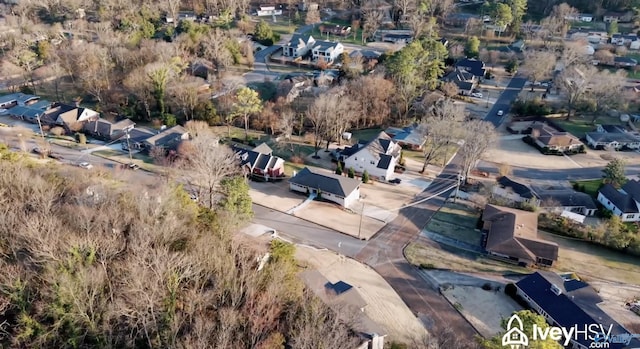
x=378 y=157
x=342 y=190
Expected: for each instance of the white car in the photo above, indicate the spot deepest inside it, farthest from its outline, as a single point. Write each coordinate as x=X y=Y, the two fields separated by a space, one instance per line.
x=85 y=165
x=500 y=113
x=476 y=94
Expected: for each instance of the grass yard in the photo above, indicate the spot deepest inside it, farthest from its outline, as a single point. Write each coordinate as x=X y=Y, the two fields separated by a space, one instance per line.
x=290 y=167
x=457 y=222
x=590 y=186
x=578 y=126
x=451 y=258
x=144 y=158
x=107 y=153
x=438 y=160
x=286 y=151
x=592 y=261
x=349 y=39
x=366 y=134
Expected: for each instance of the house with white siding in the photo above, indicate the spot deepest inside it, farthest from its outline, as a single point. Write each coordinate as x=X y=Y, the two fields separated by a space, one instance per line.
x=342 y=190
x=623 y=202
x=298 y=46
x=378 y=157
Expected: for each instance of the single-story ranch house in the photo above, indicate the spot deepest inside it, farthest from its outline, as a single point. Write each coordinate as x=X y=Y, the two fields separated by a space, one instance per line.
x=342 y=190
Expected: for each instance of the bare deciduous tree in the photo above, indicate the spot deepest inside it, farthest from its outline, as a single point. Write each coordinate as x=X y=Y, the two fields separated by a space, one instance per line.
x=538 y=65
x=574 y=81
x=441 y=128
x=320 y=114
x=478 y=136
x=207 y=165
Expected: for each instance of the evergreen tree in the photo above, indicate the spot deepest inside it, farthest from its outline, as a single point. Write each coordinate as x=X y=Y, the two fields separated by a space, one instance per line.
x=352 y=173
x=339 y=169
x=613 y=173
x=365 y=177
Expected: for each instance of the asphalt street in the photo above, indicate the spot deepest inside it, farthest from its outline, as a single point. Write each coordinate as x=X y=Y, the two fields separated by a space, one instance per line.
x=504 y=101
x=569 y=174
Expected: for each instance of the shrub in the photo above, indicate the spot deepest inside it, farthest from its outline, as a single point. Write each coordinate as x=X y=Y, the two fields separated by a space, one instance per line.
x=427 y=266
x=339 y=169
x=365 y=177
x=57 y=131
x=352 y=173
x=295 y=159
x=81 y=138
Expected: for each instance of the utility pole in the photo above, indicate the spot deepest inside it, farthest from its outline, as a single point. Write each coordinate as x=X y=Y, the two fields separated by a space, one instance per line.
x=455 y=196
x=360 y=225
x=129 y=146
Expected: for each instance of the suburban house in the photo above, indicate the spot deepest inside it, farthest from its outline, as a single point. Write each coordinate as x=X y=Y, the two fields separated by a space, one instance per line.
x=566 y=301
x=623 y=202
x=338 y=30
x=613 y=137
x=298 y=46
x=624 y=62
x=168 y=139
x=17 y=99
x=366 y=55
x=473 y=66
x=343 y=296
x=326 y=50
x=465 y=80
x=408 y=137
x=459 y=19
x=259 y=162
x=107 y=130
x=559 y=200
x=135 y=138
x=510 y=190
x=342 y=190
x=548 y=137
x=71 y=117
x=26 y=113
x=378 y=157
x=621 y=17
x=268 y=11
x=512 y=235
x=622 y=39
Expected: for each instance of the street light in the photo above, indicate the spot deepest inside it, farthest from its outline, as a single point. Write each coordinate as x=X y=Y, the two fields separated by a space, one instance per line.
x=488 y=92
x=360 y=225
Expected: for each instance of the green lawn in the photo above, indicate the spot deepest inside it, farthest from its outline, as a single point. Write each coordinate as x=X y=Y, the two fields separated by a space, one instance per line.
x=578 y=126
x=438 y=160
x=591 y=186
x=349 y=39
x=290 y=167
x=457 y=222
x=366 y=134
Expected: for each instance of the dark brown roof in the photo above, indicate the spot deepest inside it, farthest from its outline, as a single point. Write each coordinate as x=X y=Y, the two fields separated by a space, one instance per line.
x=515 y=233
x=548 y=135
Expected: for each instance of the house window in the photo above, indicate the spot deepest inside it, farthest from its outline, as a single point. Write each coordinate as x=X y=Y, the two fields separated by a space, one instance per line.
x=631 y=216
x=356 y=158
x=372 y=162
x=608 y=202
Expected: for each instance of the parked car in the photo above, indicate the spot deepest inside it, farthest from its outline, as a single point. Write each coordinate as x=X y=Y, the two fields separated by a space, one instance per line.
x=500 y=112
x=55 y=156
x=129 y=166
x=85 y=165
x=395 y=181
x=476 y=94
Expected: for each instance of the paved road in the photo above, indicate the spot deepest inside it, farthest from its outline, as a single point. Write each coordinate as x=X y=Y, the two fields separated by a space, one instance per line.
x=504 y=102
x=569 y=174
x=304 y=232
x=385 y=251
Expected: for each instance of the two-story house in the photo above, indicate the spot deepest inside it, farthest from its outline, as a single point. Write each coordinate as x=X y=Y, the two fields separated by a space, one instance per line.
x=378 y=157
x=326 y=50
x=623 y=202
x=298 y=46
x=465 y=80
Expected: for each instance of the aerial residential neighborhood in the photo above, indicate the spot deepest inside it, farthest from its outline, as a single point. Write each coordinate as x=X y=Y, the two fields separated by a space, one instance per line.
x=368 y=174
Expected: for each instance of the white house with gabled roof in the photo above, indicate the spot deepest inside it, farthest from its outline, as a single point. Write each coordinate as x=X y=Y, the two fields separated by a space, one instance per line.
x=327 y=50
x=378 y=157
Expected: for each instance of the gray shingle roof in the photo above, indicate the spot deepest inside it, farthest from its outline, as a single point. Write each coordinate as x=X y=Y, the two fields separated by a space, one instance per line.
x=518 y=188
x=327 y=182
x=623 y=202
x=622 y=138
x=566 y=198
x=167 y=136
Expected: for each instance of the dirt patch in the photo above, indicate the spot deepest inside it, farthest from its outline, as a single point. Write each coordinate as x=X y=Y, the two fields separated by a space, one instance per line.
x=615 y=297
x=483 y=309
x=274 y=195
x=333 y=216
x=384 y=306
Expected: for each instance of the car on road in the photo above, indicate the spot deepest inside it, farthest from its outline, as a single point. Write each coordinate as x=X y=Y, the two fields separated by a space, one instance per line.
x=395 y=181
x=85 y=165
x=500 y=112
x=129 y=166
x=476 y=94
